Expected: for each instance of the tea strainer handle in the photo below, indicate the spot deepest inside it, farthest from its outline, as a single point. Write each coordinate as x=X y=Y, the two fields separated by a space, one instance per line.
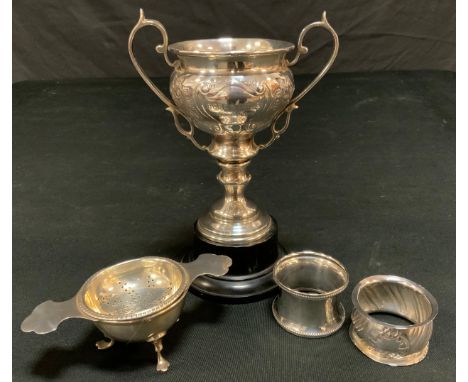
x=301 y=49
x=162 y=48
x=208 y=264
x=46 y=317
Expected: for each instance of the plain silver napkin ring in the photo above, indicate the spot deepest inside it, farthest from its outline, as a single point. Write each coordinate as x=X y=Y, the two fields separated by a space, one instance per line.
x=310 y=283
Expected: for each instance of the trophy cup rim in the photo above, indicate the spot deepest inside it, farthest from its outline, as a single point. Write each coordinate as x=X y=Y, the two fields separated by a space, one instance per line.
x=230 y=46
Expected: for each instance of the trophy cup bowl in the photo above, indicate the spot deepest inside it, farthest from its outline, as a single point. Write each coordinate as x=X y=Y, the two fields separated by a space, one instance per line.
x=233 y=88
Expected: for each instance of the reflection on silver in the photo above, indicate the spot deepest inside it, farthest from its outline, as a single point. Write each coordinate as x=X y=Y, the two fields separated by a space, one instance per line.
x=394 y=345
x=232 y=88
x=310 y=283
x=136 y=300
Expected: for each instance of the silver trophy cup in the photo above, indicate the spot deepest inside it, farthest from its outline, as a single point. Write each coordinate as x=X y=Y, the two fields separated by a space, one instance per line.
x=233 y=88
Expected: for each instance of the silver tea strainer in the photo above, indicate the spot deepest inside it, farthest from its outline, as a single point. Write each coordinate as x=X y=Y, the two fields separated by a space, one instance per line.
x=136 y=300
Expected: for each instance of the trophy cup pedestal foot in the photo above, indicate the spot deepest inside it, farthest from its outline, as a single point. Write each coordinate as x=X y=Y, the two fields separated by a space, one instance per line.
x=250 y=276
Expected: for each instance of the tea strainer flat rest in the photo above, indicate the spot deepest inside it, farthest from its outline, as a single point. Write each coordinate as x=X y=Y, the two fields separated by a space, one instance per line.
x=132 y=301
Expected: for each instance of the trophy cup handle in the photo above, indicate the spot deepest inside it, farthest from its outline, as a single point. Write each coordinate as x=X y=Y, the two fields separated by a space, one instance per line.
x=276 y=133
x=141 y=23
x=162 y=48
x=301 y=49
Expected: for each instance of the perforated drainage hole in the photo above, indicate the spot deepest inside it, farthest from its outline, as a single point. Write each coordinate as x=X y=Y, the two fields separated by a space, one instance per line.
x=152 y=282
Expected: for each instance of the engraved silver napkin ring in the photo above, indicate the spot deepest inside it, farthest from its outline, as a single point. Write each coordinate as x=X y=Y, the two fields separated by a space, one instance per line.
x=395 y=345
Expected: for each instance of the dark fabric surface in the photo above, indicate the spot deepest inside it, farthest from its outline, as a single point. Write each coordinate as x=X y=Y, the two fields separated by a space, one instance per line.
x=365 y=173
x=53 y=39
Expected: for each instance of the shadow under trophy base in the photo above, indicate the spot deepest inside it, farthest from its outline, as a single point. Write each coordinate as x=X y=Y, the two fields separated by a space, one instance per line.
x=233 y=88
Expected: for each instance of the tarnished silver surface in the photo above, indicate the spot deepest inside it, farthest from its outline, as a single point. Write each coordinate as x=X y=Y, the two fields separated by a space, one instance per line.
x=232 y=88
x=136 y=300
x=310 y=283
x=391 y=344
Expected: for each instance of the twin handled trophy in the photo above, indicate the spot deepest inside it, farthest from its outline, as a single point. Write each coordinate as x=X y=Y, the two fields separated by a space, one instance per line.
x=233 y=88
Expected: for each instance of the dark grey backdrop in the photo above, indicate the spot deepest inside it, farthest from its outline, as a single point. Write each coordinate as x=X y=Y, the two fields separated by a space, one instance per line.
x=87 y=38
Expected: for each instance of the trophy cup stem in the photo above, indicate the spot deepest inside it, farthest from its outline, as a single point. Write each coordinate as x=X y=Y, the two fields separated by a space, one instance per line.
x=234 y=177
x=234 y=220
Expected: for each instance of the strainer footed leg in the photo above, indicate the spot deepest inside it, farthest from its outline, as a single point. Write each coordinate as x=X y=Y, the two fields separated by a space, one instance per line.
x=162 y=364
x=104 y=344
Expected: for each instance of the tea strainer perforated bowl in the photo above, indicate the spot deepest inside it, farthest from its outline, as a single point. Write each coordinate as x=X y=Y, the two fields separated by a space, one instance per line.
x=135 y=300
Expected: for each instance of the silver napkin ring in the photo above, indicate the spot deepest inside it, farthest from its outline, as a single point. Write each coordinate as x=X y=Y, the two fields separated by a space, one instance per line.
x=395 y=345
x=310 y=283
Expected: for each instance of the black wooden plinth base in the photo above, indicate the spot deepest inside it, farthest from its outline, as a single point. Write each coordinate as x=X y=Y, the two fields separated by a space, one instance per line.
x=250 y=276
